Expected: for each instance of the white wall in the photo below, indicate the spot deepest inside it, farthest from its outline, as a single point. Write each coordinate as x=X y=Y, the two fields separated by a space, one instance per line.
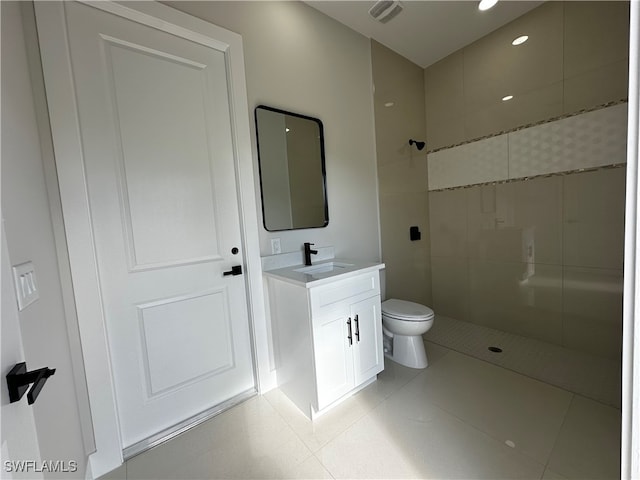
x=300 y=60
x=29 y=233
x=18 y=433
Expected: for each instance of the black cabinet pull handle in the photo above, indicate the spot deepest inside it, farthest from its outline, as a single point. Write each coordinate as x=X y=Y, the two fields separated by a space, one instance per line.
x=357 y=320
x=350 y=337
x=235 y=270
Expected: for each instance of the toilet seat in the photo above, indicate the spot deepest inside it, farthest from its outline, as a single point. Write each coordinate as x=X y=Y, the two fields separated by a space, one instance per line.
x=406 y=311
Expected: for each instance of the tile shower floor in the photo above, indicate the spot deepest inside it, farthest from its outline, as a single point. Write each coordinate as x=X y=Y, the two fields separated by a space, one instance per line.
x=594 y=377
x=459 y=418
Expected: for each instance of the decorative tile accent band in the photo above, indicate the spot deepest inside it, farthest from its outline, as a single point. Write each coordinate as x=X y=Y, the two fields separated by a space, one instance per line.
x=594 y=139
x=524 y=179
x=529 y=125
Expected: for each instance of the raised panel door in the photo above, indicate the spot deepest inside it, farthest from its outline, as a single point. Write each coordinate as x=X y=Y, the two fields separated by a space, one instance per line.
x=368 y=357
x=333 y=356
x=158 y=175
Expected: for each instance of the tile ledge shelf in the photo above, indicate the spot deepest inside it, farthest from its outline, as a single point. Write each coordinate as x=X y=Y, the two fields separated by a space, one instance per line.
x=529 y=125
x=532 y=177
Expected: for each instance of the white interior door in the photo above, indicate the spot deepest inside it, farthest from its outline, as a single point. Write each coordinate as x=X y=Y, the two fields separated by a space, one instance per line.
x=157 y=138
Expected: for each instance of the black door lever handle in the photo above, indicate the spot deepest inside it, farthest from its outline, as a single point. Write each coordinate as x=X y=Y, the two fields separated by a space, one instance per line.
x=235 y=270
x=18 y=381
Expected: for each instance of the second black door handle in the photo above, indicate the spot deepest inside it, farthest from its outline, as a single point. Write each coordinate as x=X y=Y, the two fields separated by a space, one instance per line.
x=357 y=321
x=235 y=270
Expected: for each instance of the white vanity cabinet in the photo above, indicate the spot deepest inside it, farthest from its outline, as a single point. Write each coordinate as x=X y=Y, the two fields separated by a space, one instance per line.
x=327 y=336
x=347 y=348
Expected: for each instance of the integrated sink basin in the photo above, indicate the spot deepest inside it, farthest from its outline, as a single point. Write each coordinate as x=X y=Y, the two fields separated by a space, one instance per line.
x=322 y=272
x=327 y=267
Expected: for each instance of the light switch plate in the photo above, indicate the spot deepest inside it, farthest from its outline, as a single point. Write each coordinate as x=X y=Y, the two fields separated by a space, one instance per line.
x=275 y=246
x=24 y=277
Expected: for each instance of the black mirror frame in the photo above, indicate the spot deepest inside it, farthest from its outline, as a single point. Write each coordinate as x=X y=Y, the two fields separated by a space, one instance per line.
x=322 y=160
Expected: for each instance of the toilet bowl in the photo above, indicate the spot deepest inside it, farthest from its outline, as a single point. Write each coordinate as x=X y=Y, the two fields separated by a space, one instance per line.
x=403 y=324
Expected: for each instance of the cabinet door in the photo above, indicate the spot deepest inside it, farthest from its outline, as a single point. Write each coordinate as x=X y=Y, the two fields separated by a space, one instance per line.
x=368 y=358
x=333 y=357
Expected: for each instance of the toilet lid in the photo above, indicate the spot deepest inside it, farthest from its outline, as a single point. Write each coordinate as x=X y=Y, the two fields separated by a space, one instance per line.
x=404 y=310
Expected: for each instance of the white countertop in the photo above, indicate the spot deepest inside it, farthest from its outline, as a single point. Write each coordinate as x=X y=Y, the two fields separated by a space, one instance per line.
x=321 y=273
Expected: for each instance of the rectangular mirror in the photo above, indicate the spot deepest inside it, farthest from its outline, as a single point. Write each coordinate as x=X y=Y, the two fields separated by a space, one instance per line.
x=292 y=170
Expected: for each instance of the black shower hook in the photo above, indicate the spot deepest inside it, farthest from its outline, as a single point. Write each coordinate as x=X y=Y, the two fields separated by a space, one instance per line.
x=420 y=145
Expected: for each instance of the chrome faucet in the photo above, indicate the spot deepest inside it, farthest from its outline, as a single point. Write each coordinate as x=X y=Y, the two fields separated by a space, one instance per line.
x=308 y=252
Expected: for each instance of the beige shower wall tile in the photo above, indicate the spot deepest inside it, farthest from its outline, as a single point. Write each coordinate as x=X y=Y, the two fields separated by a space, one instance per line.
x=403 y=175
x=400 y=82
x=398 y=212
x=596 y=53
x=516 y=222
x=597 y=195
x=445 y=131
x=594 y=244
x=520 y=298
x=488 y=120
x=594 y=204
x=597 y=87
x=448 y=223
x=595 y=34
x=444 y=101
x=538 y=214
x=576 y=57
x=408 y=273
x=592 y=310
x=493 y=67
x=492 y=233
x=409 y=280
x=525 y=108
x=450 y=277
x=444 y=89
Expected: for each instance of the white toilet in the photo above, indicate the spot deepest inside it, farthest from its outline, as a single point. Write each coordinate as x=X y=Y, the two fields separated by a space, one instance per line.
x=403 y=324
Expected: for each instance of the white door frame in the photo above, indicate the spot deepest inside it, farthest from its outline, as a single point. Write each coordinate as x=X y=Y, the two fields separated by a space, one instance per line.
x=67 y=142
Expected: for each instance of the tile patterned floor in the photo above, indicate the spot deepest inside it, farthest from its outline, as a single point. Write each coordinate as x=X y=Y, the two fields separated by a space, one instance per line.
x=594 y=377
x=460 y=418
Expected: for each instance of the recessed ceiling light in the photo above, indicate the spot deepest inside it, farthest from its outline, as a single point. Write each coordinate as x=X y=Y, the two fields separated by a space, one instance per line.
x=507 y=98
x=287 y=129
x=486 y=4
x=389 y=104
x=520 y=40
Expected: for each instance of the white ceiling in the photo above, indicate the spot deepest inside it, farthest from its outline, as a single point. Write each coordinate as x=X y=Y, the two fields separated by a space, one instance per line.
x=426 y=31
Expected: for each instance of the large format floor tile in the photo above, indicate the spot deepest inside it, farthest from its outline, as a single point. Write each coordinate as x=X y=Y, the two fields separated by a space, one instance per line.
x=405 y=438
x=461 y=418
x=322 y=430
x=337 y=420
x=588 y=445
x=249 y=441
x=510 y=407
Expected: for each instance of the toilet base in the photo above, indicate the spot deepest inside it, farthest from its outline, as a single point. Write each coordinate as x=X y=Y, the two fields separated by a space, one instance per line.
x=406 y=350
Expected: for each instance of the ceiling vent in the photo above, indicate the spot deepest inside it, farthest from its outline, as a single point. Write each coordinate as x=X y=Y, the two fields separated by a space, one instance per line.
x=385 y=10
